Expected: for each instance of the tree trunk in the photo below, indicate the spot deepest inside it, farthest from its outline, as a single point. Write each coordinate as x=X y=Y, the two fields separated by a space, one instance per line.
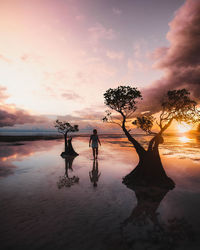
x=148 y=201
x=66 y=146
x=149 y=170
x=68 y=164
x=69 y=150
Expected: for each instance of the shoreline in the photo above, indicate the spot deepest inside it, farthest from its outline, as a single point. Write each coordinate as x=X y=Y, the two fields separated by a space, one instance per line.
x=17 y=138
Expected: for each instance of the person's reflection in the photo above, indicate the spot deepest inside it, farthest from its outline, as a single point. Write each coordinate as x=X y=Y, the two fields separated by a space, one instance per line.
x=66 y=181
x=94 y=174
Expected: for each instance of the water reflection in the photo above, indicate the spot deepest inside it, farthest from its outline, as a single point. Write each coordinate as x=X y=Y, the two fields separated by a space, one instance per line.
x=9 y=152
x=184 y=139
x=143 y=228
x=35 y=214
x=94 y=174
x=66 y=180
x=148 y=201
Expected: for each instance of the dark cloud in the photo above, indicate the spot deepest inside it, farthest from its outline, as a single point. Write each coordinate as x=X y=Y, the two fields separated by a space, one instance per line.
x=181 y=61
x=12 y=116
x=17 y=117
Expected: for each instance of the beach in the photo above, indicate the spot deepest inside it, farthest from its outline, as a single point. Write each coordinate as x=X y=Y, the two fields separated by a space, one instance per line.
x=38 y=212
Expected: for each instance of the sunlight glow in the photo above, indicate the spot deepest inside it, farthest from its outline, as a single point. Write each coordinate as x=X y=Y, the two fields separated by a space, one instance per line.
x=184 y=139
x=183 y=127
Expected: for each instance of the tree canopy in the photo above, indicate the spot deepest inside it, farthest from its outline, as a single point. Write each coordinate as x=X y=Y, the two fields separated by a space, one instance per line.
x=176 y=105
x=65 y=127
x=122 y=99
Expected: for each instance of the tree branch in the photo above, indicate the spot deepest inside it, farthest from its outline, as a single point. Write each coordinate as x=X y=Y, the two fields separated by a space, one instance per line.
x=139 y=149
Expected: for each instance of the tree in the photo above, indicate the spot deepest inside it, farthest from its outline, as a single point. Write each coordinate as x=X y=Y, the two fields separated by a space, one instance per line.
x=65 y=128
x=66 y=180
x=154 y=233
x=176 y=105
x=198 y=128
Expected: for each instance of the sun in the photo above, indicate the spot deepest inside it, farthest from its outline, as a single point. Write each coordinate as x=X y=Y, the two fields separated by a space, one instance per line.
x=183 y=127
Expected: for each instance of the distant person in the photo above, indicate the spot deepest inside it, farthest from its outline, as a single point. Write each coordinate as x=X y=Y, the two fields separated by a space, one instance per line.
x=95 y=141
x=94 y=174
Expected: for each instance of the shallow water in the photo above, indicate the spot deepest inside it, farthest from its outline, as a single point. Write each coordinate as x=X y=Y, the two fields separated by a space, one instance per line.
x=38 y=211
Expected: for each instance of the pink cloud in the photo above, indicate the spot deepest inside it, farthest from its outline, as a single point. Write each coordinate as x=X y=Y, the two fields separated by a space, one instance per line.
x=117 y=11
x=137 y=50
x=159 y=53
x=136 y=65
x=80 y=18
x=115 y=55
x=5 y=59
x=70 y=95
x=3 y=96
x=99 y=32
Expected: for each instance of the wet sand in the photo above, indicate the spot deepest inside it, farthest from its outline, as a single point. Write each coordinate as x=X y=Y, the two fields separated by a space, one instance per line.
x=18 y=138
x=36 y=213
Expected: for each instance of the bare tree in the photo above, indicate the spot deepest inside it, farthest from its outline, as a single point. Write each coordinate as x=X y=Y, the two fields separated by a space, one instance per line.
x=65 y=128
x=176 y=105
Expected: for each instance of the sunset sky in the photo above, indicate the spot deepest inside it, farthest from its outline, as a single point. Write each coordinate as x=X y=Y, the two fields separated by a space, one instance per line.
x=58 y=57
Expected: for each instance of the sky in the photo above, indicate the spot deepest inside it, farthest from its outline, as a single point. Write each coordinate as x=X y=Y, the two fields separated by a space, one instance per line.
x=58 y=57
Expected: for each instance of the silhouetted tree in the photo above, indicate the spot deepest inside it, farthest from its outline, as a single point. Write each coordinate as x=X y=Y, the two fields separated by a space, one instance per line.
x=176 y=105
x=65 y=128
x=198 y=128
x=66 y=180
x=150 y=231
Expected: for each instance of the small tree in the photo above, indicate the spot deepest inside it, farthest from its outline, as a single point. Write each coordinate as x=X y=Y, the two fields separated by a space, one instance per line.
x=66 y=180
x=176 y=105
x=65 y=128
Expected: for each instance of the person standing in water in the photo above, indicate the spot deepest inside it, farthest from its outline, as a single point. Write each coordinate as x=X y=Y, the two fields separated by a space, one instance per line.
x=95 y=141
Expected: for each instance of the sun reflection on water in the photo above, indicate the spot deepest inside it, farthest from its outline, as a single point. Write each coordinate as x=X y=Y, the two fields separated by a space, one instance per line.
x=184 y=139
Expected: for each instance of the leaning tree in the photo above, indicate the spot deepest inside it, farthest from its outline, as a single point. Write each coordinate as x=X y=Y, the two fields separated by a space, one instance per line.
x=65 y=128
x=176 y=105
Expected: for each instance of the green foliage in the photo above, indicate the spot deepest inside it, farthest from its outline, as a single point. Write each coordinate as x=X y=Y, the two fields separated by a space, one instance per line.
x=65 y=127
x=144 y=122
x=122 y=99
